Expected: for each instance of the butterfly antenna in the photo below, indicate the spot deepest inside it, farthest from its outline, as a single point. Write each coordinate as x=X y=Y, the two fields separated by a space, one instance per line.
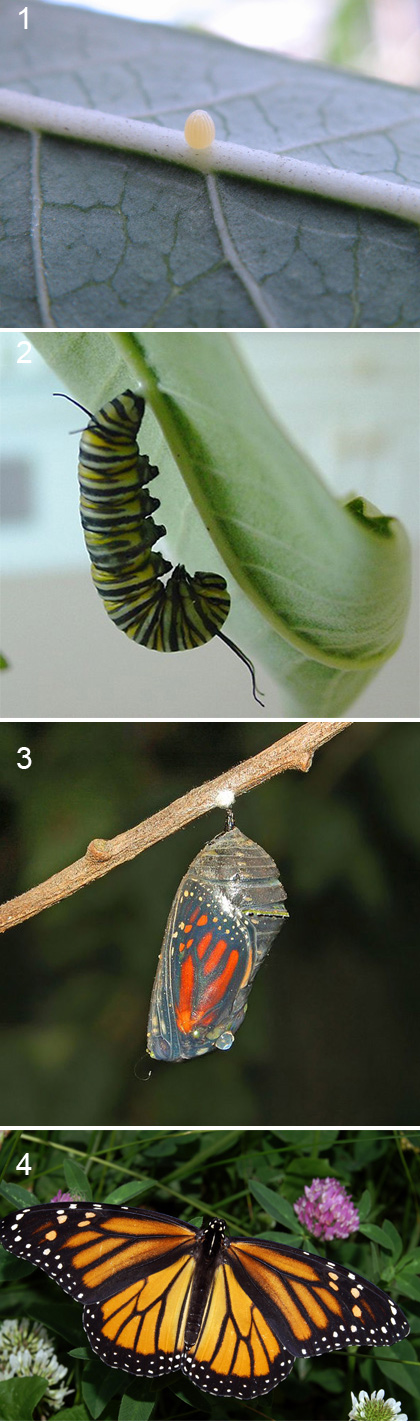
x=247 y=661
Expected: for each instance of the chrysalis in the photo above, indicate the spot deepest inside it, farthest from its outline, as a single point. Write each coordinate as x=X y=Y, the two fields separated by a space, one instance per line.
x=226 y=913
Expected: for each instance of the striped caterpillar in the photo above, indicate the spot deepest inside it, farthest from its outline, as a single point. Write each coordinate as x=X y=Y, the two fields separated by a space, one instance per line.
x=116 y=511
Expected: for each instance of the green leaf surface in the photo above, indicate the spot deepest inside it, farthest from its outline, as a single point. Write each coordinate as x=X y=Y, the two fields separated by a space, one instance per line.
x=273 y=1204
x=128 y=239
x=12 y=1269
x=400 y=1372
x=409 y=1286
x=378 y=1235
x=77 y=1414
x=326 y=592
x=364 y=1205
x=17 y=1195
x=59 y=1314
x=309 y=1142
x=76 y=1179
x=307 y=1169
x=19 y=1397
x=98 y=1386
x=329 y=1378
x=129 y=1191
x=394 y=1238
x=210 y=1144
x=135 y=1409
x=411 y=1260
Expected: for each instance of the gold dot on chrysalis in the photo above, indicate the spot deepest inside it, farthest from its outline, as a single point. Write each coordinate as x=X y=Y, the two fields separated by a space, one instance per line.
x=199 y=129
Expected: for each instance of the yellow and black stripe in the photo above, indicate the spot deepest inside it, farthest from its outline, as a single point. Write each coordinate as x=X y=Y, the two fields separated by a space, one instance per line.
x=116 y=511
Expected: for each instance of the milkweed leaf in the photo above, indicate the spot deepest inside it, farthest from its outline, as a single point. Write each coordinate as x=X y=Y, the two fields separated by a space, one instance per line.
x=327 y=590
x=125 y=238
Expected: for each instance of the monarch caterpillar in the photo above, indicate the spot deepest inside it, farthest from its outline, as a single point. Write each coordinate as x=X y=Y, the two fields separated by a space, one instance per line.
x=116 y=512
x=231 y=1312
x=225 y=915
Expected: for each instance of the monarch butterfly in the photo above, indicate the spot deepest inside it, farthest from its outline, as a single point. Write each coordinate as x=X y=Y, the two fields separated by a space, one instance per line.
x=116 y=512
x=232 y=1313
x=227 y=911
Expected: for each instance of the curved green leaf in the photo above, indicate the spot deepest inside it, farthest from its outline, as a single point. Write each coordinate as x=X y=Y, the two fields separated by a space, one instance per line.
x=273 y=1204
x=20 y=1396
x=326 y=584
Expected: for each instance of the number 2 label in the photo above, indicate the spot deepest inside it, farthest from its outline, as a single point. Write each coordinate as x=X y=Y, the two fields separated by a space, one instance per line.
x=25 y=358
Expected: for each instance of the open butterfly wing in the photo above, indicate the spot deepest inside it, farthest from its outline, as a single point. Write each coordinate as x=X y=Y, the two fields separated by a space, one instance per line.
x=314 y=1306
x=236 y=1353
x=141 y=1328
x=231 y=1313
x=97 y=1251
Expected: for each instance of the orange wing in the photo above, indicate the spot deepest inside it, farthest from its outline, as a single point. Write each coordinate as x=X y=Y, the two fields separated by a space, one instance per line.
x=314 y=1306
x=237 y=1353
x=141 y=1329
x=93 y=1251
x=230 y=1313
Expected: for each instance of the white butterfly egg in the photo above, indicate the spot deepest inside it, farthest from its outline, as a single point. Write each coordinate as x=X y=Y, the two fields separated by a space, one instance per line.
x=199 y=129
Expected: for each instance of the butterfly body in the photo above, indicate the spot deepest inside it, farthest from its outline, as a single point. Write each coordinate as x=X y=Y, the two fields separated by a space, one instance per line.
x=227 y=911
x=232 y=1313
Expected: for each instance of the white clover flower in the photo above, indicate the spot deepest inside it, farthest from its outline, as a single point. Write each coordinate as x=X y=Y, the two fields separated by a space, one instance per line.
x=26 y=1350
x=375 y=1408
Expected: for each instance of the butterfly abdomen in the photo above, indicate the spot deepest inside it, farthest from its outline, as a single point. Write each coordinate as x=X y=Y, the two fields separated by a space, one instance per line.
x=208 y=1252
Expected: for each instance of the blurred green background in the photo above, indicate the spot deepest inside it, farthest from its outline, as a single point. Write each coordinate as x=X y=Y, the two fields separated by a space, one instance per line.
x=331 y=1033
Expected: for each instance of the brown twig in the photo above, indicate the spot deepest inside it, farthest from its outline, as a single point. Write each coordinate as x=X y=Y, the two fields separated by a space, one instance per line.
x=293 y=752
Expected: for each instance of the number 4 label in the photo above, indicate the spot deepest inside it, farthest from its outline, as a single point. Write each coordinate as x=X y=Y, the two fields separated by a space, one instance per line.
x=24 y=1164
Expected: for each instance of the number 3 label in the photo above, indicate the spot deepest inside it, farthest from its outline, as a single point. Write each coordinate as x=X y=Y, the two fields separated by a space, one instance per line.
x=26 y=755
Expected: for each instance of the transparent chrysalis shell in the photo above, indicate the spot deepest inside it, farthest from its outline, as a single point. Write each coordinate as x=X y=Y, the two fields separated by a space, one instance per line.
x=199 y=129
x=226 y=914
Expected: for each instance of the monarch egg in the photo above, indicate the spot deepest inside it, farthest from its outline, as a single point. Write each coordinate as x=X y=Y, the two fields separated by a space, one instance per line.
x=199 y=129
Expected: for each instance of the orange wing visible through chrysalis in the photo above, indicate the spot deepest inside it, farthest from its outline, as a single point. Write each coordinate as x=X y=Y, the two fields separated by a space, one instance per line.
x=226 y=914
x=189 y=1017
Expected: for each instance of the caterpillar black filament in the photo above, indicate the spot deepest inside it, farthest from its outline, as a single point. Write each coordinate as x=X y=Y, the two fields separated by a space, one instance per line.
x=116 y=511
